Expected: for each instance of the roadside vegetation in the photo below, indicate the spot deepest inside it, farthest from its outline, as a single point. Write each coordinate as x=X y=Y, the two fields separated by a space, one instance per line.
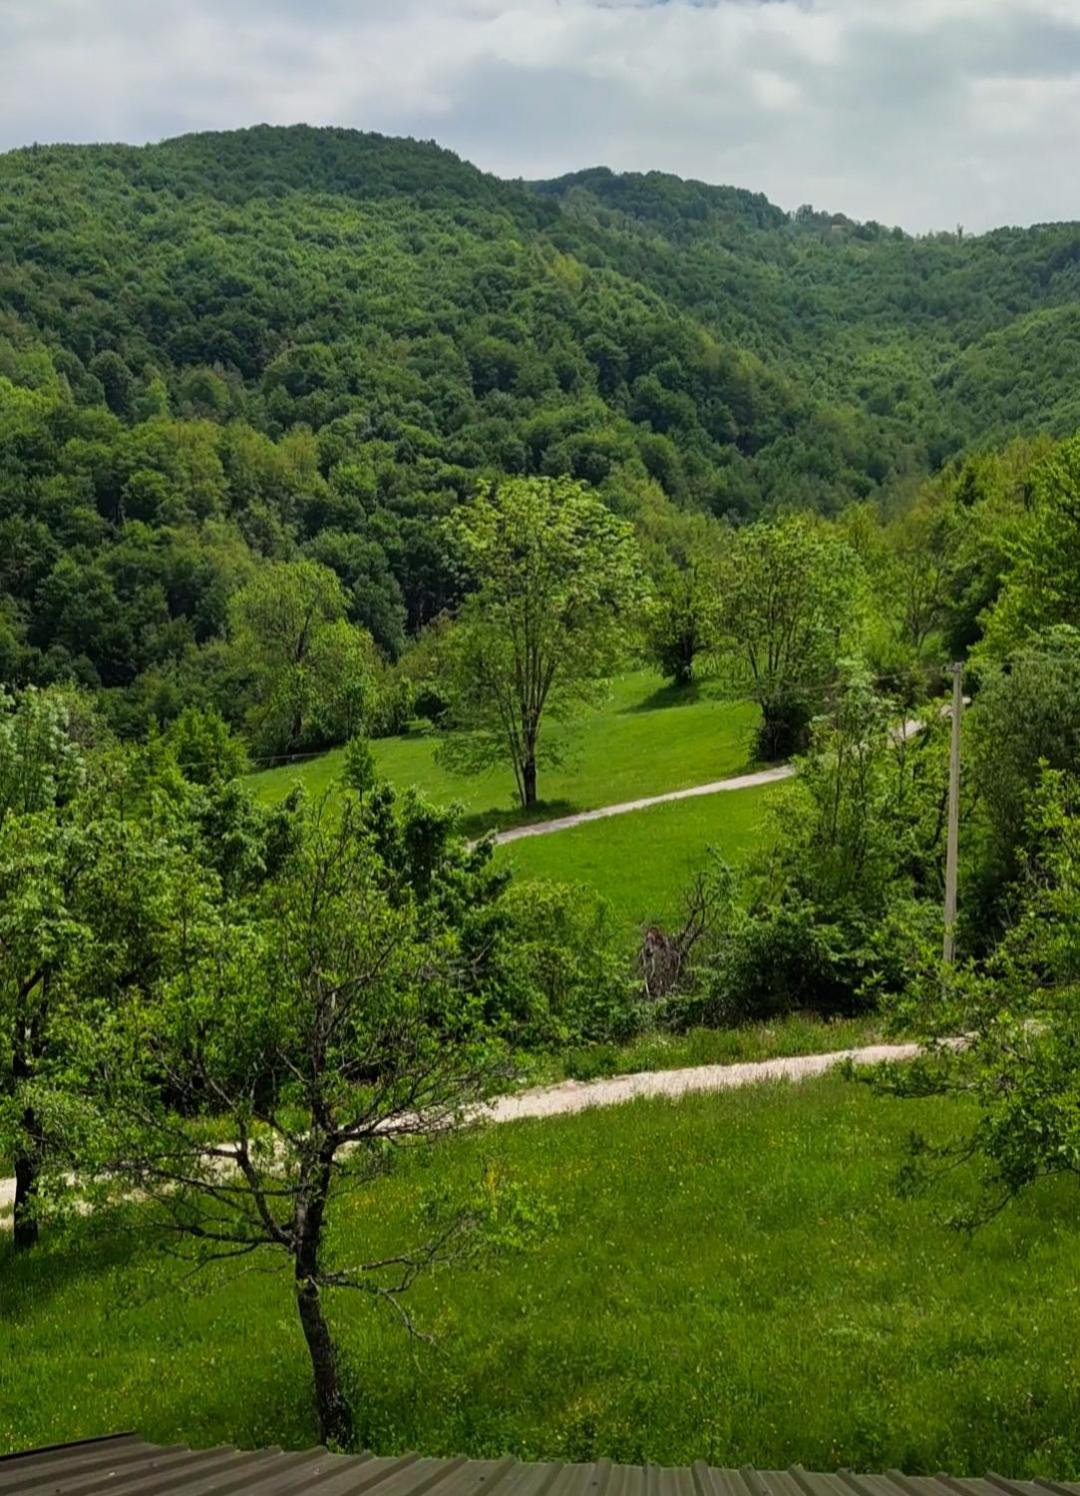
x=746 y=1043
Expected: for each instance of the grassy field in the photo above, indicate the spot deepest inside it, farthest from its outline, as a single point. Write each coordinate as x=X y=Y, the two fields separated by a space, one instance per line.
x=795 y=1034
x=730 y=1277
x=646 y=738
x=643 y=862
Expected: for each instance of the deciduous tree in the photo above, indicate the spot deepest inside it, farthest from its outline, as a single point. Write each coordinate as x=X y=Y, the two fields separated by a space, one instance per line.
x=556 y=582
x=314 y=669
x=320 y=1029
x=786 y=612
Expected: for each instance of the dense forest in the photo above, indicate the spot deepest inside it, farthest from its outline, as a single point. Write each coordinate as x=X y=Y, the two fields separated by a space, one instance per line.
x=294 y=344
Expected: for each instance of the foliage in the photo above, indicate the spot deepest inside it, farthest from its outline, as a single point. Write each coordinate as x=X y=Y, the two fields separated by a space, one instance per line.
x=1019 y=1012
x=204 y=747
x=314 y=670
x=558 y=975
x=90 y=909
x=1042 y=587
x=1027 y=713
x=101 y=856
x=360 y=773
x=836 y=908
x=786 y=615
x=681 y=552
x=40 y=763
x=555 y=580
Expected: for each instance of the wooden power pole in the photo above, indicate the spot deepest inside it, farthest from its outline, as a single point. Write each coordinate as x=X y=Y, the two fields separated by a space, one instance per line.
x=954 y=816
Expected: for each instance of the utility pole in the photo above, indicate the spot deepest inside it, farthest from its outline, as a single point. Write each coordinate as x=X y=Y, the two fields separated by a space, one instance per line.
x=954 y=816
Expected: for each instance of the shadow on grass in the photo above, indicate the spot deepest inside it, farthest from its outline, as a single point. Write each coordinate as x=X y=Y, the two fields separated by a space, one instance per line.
x=479 y=822
x=64 y=1255
x=667 y=696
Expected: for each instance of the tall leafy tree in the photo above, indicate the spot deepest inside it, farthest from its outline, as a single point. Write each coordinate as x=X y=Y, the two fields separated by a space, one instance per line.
x=556 y=586
x=786 y=614
x=682 y=552
x=313 y=669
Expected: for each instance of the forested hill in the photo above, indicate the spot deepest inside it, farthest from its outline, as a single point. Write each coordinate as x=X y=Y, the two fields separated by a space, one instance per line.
x=746 y=355
x=283 y=342
x=955 y=338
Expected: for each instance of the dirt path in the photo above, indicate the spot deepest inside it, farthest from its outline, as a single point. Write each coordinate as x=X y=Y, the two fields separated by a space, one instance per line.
x=718 y=786
x=577 y=1096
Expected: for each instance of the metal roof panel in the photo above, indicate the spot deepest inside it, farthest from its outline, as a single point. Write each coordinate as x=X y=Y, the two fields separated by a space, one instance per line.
x=124 y=1465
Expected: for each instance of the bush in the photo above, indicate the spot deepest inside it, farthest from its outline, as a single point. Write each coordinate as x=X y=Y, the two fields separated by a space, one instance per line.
x=204 y=747
x=360 y=773
x=558 y=974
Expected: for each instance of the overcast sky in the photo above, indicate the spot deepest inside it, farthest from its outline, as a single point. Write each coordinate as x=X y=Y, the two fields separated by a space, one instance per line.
x=926 y=113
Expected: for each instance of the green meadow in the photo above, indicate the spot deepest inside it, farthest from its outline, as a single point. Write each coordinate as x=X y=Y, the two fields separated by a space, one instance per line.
x=730 y=1278
x=644 y=862
x=645 y=738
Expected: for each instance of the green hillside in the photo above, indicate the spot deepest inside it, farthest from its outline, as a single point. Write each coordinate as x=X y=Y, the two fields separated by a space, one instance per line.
x=228 y=348
x=729 y=1278
x=644 y=739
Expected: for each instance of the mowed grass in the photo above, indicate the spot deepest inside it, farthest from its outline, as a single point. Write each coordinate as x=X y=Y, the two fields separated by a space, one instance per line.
x=644 y=862
x=645 y=739
x=730 y=1277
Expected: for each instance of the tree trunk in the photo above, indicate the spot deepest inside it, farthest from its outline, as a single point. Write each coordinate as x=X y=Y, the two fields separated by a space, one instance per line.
x=27 y=1169
x=528 y=781
x=335 y=1416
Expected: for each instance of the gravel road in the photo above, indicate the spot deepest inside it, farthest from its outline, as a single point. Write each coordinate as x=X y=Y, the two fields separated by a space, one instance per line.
x=718 y=786
x=577 y=1096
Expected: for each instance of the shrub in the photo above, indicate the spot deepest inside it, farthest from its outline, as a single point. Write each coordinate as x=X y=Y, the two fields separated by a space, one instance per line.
x=558 y=974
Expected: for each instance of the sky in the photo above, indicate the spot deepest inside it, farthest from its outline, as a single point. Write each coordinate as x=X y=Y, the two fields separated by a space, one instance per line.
x=926 y=113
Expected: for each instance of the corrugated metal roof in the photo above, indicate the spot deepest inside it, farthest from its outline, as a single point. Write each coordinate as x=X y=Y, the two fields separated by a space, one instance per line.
x=123 y=1465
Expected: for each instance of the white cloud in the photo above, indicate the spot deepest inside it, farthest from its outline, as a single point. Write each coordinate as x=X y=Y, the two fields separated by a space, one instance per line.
x=924 y=112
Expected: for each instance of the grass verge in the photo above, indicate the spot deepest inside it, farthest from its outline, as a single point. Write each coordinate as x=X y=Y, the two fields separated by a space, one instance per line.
x=796 y=1034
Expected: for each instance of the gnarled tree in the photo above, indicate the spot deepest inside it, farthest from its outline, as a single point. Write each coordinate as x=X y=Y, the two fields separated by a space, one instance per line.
x=317 y=1026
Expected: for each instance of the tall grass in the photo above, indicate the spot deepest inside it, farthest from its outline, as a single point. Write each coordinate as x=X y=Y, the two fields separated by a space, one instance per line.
x=732 y=1277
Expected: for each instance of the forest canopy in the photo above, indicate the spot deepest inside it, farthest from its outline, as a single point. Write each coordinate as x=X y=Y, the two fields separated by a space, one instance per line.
x=301 y=347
